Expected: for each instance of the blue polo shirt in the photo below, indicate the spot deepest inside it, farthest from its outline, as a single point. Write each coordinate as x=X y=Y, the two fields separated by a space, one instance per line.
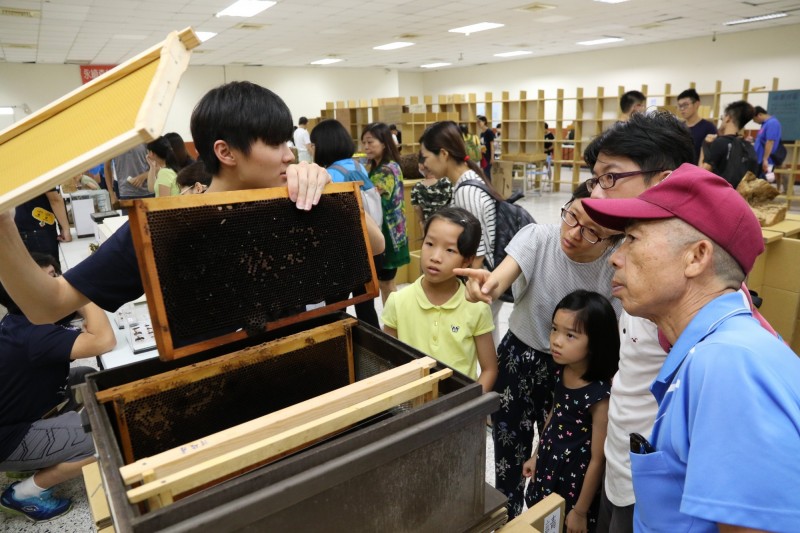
x=770 y=131
x=727 y=432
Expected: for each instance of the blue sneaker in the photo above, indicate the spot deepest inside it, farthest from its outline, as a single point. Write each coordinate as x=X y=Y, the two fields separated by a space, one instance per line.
x=37 y=509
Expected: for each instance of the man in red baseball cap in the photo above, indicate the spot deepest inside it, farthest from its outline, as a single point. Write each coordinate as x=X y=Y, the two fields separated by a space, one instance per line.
x=714 y=462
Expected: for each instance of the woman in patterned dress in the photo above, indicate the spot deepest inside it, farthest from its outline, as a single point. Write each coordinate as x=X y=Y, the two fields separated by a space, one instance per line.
x=386 y=175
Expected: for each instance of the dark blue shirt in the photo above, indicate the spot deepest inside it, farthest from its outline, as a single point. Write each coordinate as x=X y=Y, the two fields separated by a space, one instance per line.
x=34 y=365
x=109 y=277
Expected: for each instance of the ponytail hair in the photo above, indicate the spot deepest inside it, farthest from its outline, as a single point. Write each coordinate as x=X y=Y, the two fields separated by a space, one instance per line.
x=446 y=135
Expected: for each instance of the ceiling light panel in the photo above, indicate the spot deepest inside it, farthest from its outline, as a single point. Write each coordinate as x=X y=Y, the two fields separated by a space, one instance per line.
x=756 y=19
x=605 y=40
x=326 y=61
x=474 y=28
x=245 y=8
x=393 y=46
x=435 y=65
x=515 y=53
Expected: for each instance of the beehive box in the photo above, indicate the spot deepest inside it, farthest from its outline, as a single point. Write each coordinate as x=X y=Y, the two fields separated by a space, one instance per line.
x=245 y=349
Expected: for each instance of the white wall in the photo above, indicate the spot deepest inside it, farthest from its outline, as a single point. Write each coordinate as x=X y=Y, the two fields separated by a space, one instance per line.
x=757 y=55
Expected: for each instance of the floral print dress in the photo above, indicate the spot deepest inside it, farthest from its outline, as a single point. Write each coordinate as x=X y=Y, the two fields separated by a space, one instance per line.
x=565 y=448
x=388 y=179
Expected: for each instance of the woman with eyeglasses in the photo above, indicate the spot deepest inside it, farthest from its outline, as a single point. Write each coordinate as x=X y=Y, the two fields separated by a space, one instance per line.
x=553 y=260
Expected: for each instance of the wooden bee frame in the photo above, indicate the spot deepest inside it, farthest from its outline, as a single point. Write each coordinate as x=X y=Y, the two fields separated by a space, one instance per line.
x=113 y=113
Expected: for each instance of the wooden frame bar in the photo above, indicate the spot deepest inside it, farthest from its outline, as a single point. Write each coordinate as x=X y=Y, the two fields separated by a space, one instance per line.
x=222 y=364
x=293 y=437
x=152 y=285
x=194 y=453
x=133 y=100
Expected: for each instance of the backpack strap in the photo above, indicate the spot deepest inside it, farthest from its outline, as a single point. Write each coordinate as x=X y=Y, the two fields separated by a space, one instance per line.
x=341 y=169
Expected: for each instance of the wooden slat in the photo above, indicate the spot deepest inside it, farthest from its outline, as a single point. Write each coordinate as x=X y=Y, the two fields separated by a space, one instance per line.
x=219 y=365
x=200 y=450
x=256 y=452
x=133 y=100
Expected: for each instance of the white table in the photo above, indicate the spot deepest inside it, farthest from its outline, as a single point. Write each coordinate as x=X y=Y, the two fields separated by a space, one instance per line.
x=122 y=354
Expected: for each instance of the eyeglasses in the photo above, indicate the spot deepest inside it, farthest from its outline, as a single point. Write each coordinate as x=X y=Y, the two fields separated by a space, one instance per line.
x=685 y=105
x=569 y=219
x=609 y=179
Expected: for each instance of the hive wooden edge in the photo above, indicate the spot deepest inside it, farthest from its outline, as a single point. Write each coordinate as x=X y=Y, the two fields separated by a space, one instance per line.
x=189 y=454
x=173 y=53
x=240 y=458
x=158 y=382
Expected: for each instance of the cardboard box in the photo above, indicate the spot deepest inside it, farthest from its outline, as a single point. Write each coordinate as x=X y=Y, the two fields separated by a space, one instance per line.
x=503 y=177
x=547 y=516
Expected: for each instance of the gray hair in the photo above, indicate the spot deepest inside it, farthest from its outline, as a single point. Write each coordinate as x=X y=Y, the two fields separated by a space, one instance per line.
x=726 y=268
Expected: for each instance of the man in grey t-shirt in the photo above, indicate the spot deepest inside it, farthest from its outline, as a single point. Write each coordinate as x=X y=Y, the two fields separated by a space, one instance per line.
x=132 y=164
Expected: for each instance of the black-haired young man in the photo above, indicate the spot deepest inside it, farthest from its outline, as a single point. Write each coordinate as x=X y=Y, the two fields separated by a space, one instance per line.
x=631 y=102
x=728 y=155
x=689 y=107
x=240 y=130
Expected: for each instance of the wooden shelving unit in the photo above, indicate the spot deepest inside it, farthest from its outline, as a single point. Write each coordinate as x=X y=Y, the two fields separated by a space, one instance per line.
x=524 y=117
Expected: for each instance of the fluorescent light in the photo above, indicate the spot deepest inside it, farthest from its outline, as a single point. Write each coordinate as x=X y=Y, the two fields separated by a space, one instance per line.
x=205 y=35
x=393 y=46
x=611 y=1
x=604 y=40
x=327 y=61
x=513 y=54
x=435 y=65
x=245 y=8
x=481 y=26
x=6 y=110
x=756 y=19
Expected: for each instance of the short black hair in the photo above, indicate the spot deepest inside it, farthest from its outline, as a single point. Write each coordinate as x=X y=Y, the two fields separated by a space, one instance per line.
x=41 y=259
x=332 y=142
x=302 y=120
x=656 y=140
x=629 y=99
x=741 y=112
x=239 y=113
x=691 y=94
x=760 y=111
x=194 y=173
x=595 y=318
x=470 y=238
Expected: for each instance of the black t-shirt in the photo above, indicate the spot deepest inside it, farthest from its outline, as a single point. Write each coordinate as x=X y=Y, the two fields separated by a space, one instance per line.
x=34 y=365
x=29 y=215
x=699 y=132
x=109 y=277
x=488 y=138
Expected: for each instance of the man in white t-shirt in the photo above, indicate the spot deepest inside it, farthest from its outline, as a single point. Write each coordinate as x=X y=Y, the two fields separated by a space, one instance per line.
x=627 y=159
x=302 y=140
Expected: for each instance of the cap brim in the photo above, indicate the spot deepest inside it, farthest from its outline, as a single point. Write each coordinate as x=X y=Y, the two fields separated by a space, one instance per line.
x=617 y=213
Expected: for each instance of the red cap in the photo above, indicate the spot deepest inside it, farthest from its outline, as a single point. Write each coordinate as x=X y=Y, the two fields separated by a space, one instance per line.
x=701 y=199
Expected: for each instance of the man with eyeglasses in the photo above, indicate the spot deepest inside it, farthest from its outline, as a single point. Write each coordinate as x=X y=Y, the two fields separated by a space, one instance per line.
x=689 y=107
x=626 y=160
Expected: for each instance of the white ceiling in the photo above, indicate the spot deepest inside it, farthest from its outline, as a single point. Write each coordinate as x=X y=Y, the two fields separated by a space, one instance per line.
x=296 y=32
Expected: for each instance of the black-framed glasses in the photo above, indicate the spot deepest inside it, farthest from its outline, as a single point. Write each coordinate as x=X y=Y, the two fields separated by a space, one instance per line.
x=608 y=180
x=571 y=220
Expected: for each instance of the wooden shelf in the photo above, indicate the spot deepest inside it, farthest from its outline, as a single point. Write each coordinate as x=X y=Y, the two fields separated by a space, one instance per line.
x=523 y=118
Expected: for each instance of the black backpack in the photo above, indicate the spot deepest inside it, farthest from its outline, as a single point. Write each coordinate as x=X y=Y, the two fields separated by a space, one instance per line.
x=509 y=219
x=741 y=159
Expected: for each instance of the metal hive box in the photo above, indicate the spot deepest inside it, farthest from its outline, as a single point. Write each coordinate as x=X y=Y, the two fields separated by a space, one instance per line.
x=228 y=279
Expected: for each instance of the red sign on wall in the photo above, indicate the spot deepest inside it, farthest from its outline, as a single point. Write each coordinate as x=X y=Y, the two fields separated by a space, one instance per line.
x=90 y=72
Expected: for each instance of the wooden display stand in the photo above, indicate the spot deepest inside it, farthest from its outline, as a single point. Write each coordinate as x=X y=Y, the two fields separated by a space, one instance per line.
x=547 y=516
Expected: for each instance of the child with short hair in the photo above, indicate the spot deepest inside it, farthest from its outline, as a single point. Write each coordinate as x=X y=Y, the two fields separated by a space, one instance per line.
x=432 y=314
x=569 y=461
